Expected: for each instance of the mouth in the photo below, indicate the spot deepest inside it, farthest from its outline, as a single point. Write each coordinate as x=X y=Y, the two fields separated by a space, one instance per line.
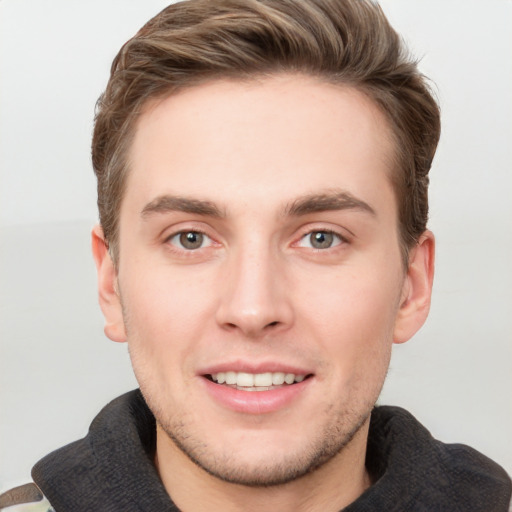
x=256 y=381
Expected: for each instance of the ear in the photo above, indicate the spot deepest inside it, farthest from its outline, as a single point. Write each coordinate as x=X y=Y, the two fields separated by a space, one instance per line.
x=108 y=293
x=417 y=289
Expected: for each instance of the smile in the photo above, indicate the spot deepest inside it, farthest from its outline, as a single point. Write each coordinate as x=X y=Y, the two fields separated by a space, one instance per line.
x=257 y=392
x=256 y=381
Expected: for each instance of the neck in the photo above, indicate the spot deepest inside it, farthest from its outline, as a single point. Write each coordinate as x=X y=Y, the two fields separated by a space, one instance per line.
x=331 y=487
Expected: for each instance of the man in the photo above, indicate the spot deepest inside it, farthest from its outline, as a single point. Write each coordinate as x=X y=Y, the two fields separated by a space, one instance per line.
x=262 y=185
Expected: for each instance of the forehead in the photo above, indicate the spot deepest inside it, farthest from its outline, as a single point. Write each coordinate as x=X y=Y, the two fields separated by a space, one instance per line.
x=266 y=140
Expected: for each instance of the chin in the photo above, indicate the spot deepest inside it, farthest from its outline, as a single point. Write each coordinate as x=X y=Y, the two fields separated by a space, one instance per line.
x=264 y=458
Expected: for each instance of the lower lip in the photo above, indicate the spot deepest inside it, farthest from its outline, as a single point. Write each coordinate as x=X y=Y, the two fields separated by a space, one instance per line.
x=255 y=402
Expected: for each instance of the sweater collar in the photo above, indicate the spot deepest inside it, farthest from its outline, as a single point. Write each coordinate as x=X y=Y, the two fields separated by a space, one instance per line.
x=112 y=467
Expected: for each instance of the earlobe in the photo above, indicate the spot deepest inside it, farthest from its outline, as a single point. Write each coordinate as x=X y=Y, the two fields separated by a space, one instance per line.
x=108 y=294
x=417 y=289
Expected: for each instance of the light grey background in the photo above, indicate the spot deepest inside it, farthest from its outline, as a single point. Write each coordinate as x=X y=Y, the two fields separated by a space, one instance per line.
x=56 y=367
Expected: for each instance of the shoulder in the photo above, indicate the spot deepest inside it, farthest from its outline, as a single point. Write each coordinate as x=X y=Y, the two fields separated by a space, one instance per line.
x=402 y=454
x=25 y=498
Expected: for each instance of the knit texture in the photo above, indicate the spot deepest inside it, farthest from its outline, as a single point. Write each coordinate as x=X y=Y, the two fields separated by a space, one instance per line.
x=111 y=469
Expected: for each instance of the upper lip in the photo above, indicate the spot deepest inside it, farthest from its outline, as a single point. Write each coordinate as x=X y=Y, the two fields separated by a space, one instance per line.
x=254 y=367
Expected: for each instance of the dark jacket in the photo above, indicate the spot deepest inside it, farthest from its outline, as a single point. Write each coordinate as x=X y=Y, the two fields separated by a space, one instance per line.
x=111 y=469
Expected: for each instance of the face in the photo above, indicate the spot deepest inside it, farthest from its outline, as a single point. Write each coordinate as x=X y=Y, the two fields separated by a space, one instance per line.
x=260 y=284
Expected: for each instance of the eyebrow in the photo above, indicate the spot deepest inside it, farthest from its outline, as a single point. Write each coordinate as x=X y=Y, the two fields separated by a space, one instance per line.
x=313 y=203
x=327 y=201
x=170 y=203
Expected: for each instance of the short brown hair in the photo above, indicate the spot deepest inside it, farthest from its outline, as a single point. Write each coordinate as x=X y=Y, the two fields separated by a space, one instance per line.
x=346 y=42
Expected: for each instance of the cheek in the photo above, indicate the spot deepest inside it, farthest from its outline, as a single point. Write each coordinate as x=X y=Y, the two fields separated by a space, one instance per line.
x=164 y=300
x=359 y=300
x=353 y=318
x=164 y=318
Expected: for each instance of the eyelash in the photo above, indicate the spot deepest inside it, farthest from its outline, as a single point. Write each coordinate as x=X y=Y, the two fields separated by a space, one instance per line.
x=338 y=240
x=341 y=240
x=182 y=232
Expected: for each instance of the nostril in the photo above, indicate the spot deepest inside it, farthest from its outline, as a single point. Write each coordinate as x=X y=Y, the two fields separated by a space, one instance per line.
x=251 y=327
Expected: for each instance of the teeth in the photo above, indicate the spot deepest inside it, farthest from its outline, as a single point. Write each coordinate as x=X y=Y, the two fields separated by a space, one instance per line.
x=263 y=379
x=277 y=379
x=289 y=378
x=256 y=380
x=245 y=379
x=230 y=378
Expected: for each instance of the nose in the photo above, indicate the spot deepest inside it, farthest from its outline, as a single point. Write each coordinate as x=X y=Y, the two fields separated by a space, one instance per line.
x=255 y=299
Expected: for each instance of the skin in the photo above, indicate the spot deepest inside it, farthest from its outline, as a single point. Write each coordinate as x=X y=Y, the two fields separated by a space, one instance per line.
x=268 y=165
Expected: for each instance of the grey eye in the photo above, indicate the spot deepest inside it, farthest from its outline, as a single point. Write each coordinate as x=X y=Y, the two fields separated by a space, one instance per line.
x=321 y=239
x=191 y=240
